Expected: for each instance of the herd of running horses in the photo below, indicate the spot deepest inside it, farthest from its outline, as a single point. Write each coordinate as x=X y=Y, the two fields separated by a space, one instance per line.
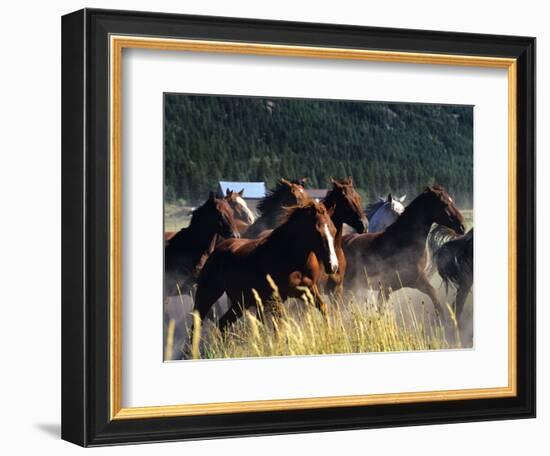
x=326 y=246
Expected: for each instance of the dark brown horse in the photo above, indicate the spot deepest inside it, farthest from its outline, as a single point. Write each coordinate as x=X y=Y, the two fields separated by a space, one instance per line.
x=397 y=257
x=272 y=207
x=167 y=236
x=187 y=251
x=244 y=217
x=346 y=206
x=453 y=256
x=293 y=254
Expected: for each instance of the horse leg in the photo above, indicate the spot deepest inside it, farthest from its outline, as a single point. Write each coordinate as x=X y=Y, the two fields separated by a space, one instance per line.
x=335 y=287
x=230 y=317
x=383 y=297
x=205 y=297
x=320 y=304
x=426 y=287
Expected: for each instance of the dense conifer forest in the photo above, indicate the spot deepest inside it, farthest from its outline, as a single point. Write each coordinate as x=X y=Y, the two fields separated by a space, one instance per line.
x=385 y=147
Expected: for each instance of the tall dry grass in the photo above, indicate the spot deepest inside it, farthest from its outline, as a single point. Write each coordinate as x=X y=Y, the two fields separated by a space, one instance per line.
x=294 y=328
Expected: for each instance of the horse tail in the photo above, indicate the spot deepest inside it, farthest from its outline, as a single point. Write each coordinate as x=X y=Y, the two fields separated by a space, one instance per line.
x=440 y=235
x=209 y=285
x=437 y=238
x=454 y=260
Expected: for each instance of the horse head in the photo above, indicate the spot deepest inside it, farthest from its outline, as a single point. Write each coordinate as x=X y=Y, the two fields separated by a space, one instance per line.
x=239 y=206
x=347 y=204
x=311 y=223
x=396 y=204
x=301 y=182
x=443 y=210
x=384 y=212
x=216 y=214
x=291 y=192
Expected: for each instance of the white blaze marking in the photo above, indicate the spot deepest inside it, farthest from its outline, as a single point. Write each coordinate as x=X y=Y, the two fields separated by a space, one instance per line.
x=332 y=251
x=246 y=209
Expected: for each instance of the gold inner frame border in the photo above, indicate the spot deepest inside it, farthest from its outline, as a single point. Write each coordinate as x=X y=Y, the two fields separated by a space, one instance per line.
x=116 y=46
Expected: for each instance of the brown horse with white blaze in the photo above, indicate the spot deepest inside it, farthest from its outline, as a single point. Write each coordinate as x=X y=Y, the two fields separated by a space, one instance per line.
x=397 y=257
x=244 y=217
x=347 y=208
x=293 y=254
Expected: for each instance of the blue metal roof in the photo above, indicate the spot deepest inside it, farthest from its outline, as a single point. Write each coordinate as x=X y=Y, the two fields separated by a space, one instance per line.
x=251 y=189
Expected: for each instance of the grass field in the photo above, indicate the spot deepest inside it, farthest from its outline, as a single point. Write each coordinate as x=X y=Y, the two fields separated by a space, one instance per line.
x=298 y=328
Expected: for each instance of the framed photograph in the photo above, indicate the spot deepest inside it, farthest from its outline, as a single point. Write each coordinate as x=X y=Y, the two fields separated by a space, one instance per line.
x=268 y=227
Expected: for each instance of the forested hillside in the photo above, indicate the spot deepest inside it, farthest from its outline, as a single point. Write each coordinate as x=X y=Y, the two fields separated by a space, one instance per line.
x=384 y=146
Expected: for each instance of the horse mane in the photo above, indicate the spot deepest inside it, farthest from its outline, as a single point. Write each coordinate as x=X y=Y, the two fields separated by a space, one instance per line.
x=408 y=213
x=330 y=194
x=199 y=211
x=373 y=207
x=436 y=188
x=189 y=234
x=271 y=201
x=291 y=212
x=335 y=185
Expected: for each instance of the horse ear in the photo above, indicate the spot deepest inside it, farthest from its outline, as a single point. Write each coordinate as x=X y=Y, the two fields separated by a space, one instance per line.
x=335 y=183
x=402 y=199
x=283 y=181
x=227 y=192
x=212 y=196
x=389 y=198
x=302 y=181
x=350 y=180
x=241 y=193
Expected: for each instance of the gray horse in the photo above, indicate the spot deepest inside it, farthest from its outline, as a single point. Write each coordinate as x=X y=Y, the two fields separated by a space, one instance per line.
x=384 y=212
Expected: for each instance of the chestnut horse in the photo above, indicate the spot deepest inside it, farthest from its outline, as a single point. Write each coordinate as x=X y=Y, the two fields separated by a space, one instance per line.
x=272 y=207
x=397 y=257
x=346 y=206
x=293 y=254
x=242 y=213
x=187 y=251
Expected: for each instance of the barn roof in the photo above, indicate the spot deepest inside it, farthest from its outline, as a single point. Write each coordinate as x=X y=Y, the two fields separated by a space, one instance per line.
x=251 y=189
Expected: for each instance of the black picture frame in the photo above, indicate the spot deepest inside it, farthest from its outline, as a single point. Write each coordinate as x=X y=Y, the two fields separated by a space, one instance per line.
x=85 y=225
